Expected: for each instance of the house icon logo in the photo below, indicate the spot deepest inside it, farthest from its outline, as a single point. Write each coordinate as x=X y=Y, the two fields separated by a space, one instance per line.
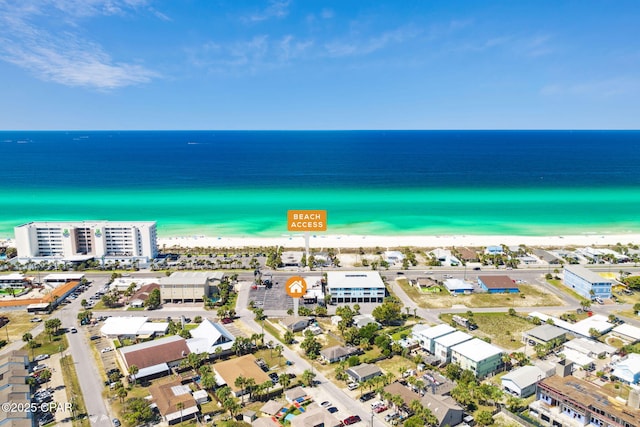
x=296 y=287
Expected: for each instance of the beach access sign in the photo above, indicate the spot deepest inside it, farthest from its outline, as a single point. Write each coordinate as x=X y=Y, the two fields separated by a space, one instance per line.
x=306 y=220
x=296 y=287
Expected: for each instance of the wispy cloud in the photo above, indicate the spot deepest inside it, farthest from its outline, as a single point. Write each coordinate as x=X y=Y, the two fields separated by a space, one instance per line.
x=63 y=55
x=358 y=47
x=251 y=55
x=274 y=9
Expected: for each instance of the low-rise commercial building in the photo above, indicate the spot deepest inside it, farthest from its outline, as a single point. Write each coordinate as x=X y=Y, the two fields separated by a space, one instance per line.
x=349 y=287
x=184 y=286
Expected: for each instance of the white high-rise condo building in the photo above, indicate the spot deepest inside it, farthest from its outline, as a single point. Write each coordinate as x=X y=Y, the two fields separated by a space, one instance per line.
x=78 y=240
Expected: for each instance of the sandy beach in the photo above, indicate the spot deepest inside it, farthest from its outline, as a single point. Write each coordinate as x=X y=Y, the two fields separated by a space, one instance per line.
x=356 y=241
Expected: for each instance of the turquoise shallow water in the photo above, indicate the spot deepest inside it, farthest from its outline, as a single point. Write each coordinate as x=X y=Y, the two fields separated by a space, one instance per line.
x=224 y=183
x=242 y=212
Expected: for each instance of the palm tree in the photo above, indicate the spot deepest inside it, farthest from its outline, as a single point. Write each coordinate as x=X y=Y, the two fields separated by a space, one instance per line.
x=133 y=370
x=307 y=377
x=241 y=383
x=122 y=394
x=284 y=380
x=180 y=407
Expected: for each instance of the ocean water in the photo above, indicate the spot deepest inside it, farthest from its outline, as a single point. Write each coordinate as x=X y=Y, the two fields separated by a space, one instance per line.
x=226 y=183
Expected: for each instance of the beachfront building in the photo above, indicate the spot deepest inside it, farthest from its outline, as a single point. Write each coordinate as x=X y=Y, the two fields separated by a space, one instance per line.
x=497 y=284
x=75 y=241
x=426 y=335
x=347 y=287
x=478 y=356
x=569 y=401
x=587 y=283
x=184 y=286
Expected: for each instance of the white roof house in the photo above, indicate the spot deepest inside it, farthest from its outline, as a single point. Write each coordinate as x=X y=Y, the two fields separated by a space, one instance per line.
x=522 y=381
x=426 y=335
x=457 y=286
x=579 y=359
x=122 y=283
x=589 y=347
x=477 y=355
x=628 y=369
x=122 y=326
x=446 y=342
x=597 y=322
x=208 y=337
x=627 y=332
x=153 y=328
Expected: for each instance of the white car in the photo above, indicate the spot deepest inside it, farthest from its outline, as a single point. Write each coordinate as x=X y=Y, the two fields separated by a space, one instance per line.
x=41 y=357
x=106 y=349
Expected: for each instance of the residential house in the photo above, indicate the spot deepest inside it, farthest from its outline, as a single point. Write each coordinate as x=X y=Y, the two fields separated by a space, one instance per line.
x=174 y=401
x=338 y=353
x=587 y=283
x=295 y=324
x=544 y=334
x=522 y=382
x=498 y=284
x=315 y=417
x=445 y=343
x=363 y=372
x=444 y=408
x=426 y=335
x=478 y=356
x=210 y=337
x=244 y=366
x=627 y=369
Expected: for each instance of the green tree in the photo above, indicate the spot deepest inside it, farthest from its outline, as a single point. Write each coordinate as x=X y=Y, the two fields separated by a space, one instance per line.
x=138 y=411
x=284 y=380
x=483 y=417
x=153 y=301
x=308 y=377
x=133 y=370
x=288 y=337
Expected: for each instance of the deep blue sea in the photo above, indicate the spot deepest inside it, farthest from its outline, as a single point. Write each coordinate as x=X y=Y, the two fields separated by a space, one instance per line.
x=370 y=182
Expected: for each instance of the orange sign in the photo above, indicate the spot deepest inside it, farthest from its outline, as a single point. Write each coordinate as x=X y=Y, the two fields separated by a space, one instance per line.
x=296 y=287
x=306 y=220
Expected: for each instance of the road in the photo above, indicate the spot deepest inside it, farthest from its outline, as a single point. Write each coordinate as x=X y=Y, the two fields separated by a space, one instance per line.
x=88 y=375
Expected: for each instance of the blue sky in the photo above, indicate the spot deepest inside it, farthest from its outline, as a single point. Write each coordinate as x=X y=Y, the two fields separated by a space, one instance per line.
x=305 y=64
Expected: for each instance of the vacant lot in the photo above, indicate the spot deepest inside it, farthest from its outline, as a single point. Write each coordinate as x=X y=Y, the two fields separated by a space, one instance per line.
x=529 y=296
x=504 y=330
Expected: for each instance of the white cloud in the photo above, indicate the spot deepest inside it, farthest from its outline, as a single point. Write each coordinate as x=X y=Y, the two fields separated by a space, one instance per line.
x=62 y=55
x=353 y=47
x=275 y=9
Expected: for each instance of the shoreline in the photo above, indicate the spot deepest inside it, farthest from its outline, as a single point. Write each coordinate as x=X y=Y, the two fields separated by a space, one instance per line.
x=318 y=241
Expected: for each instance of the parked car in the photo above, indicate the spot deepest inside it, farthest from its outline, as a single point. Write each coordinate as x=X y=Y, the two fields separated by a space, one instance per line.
x=367 y=396
x=332 y=409
x=351 y=420
x=116 y=422
x=41 y=357
x=74 y=331
x=325 y=404
x=95 y=337
x=106 y=350
x=352 y=386
x=391 y=417
x=36 y=320
x=39 y=368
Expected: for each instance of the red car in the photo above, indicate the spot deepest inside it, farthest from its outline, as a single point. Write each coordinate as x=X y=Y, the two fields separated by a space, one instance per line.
x=379 y=409
x=351 y=420
x=227 y=320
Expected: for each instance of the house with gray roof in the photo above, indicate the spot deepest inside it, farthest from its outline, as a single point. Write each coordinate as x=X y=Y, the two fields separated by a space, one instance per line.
x=363 y=372
x=543 y=334
x=337 y=353
x=522 y=382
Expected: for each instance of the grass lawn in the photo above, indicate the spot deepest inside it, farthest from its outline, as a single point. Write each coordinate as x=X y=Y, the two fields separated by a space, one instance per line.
x=503 y=329
x=58 y=344
x=561 y=287
x=396 y=365
x=269 y=327
x=19 y=324
x=72 y=387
